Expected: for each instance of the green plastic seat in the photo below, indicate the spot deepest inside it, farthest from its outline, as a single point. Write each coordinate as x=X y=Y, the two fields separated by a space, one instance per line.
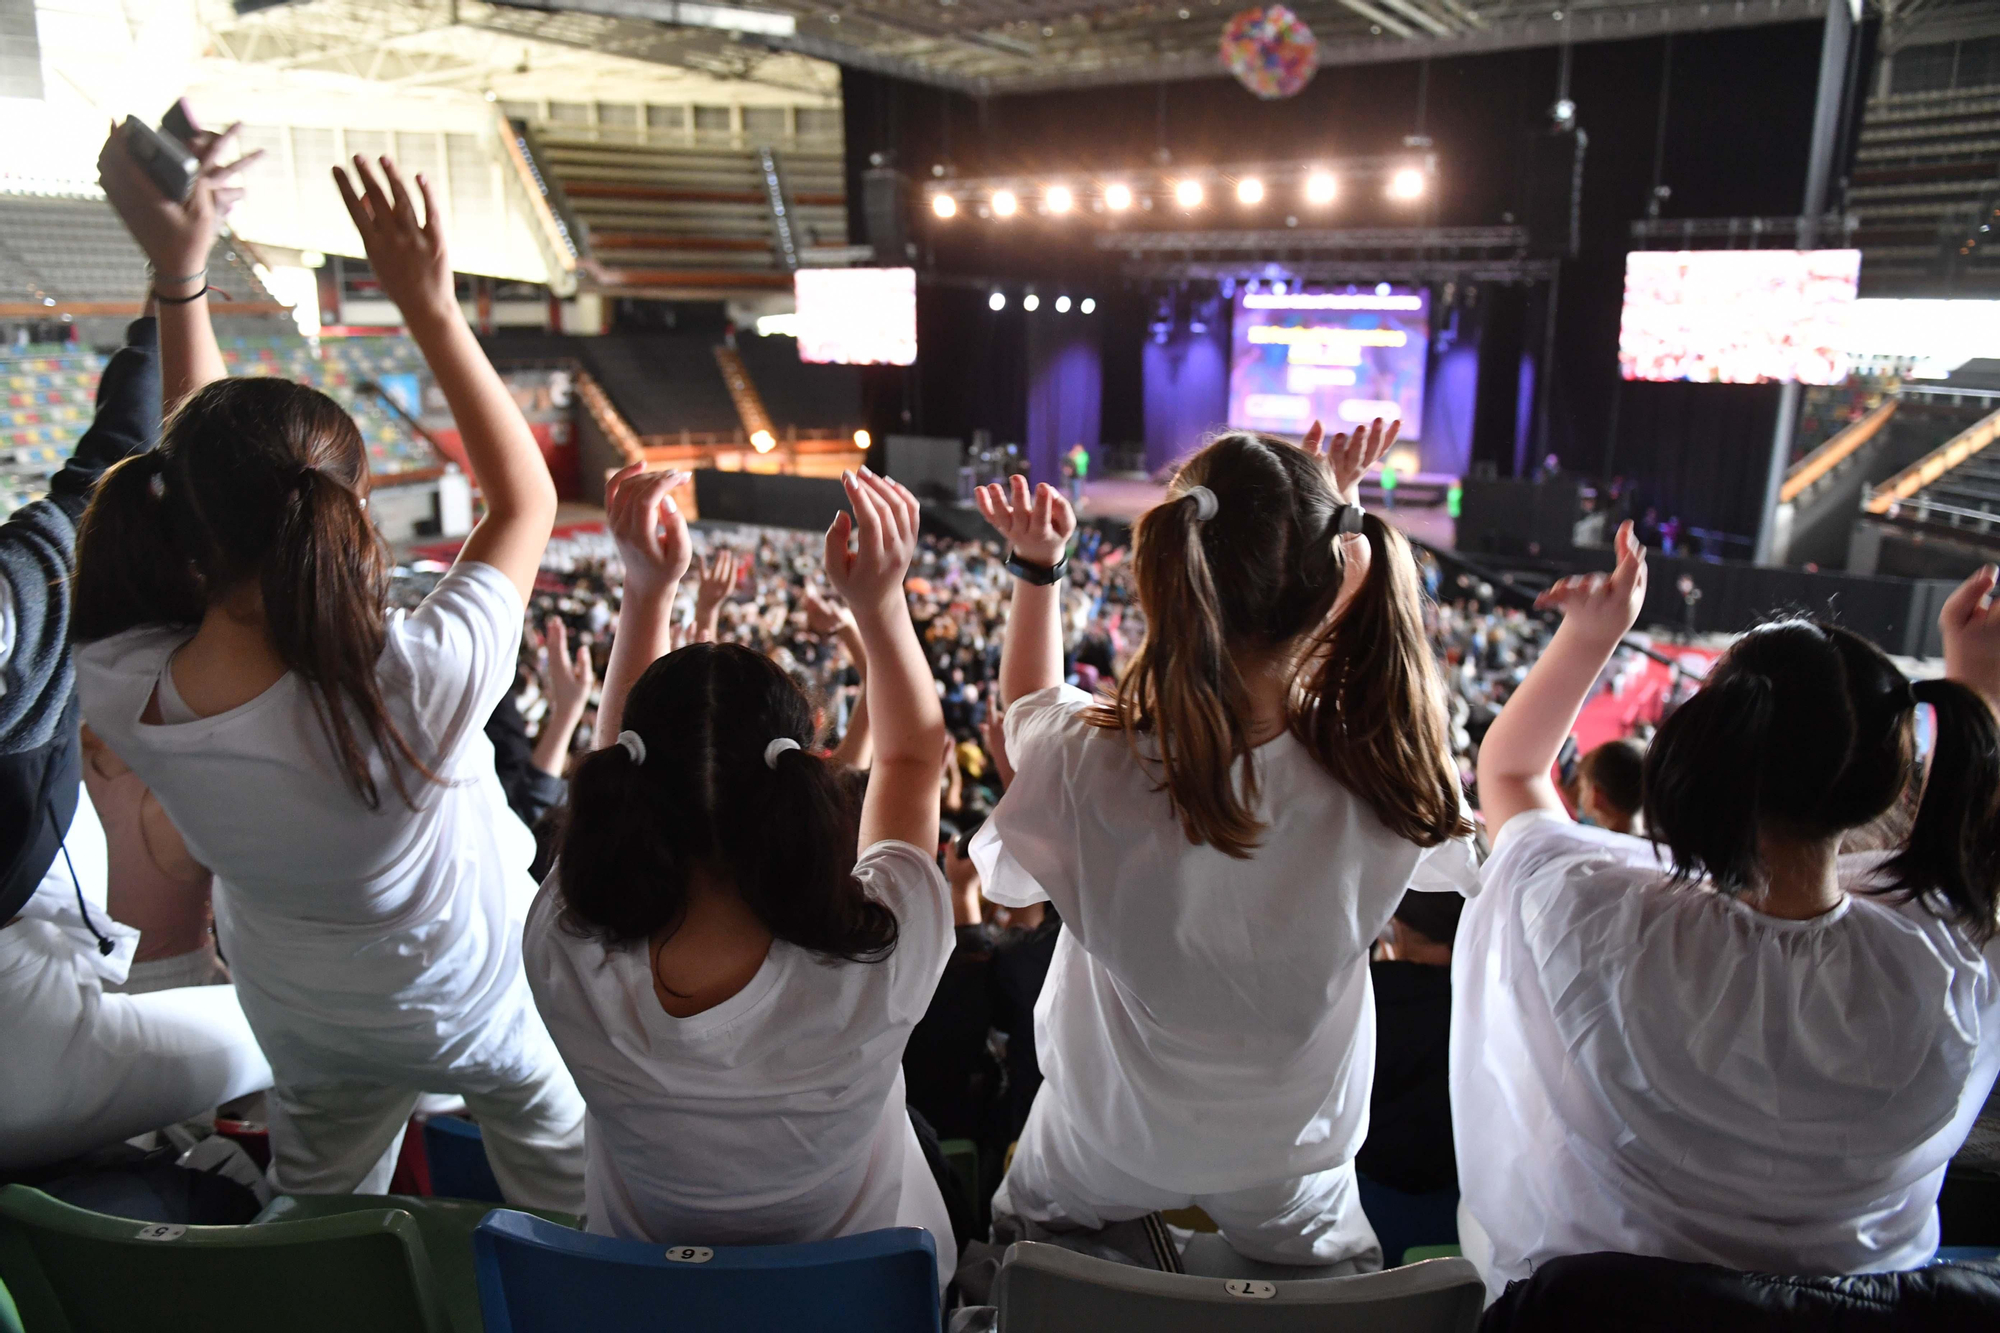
x=75 y=1271
x=445 y=1225
x=10 y=1317
x=1416 y=1254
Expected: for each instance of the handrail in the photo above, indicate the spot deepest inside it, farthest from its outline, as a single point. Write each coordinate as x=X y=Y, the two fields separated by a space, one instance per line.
x=608 y=418
x=743 y=393
x=558 y=247
x=1835 y=451
x=1936 y=463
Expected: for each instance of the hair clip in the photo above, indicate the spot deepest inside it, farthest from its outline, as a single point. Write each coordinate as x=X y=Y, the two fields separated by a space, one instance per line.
x=778 y=747
x=634 y=745
x=1206 y=506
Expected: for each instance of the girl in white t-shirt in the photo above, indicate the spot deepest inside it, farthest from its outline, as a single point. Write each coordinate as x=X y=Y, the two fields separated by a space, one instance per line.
x=1741 y=1048
x=1224 y=839
x=325 y=759
x=730 y=984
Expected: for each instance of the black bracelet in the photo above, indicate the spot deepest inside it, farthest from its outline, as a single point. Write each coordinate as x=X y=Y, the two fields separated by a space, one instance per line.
x=182 y=300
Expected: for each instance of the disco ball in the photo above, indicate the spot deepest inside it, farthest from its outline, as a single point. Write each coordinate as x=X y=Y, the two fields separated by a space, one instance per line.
x=1270 y=51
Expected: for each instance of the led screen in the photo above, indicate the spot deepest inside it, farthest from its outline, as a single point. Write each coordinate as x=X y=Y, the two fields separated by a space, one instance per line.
x=1342 y=358
x=857 y=316
x=1737 y=316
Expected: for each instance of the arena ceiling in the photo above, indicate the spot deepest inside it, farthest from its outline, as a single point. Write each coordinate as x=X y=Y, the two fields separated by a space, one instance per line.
x=978 y=47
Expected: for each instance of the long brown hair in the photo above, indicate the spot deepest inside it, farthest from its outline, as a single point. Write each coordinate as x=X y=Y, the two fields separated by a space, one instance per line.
x=1263 y=576
x=256 y=479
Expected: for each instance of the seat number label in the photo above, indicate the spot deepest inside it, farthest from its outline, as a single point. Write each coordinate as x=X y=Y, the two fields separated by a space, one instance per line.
x=1249 y=1290
x=161 y=1231
x=690 y=1254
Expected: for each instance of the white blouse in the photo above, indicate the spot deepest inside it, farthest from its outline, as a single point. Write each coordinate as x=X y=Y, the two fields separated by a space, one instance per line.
x=1660 y=1069
x=1207 y=1023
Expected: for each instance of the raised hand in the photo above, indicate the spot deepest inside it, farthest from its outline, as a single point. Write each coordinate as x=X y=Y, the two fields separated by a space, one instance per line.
x=883 y=530
x=993 y=731
x=823 y=617
x=176 y=236
x=1970 y=623
x=719 y=576
x=570 y=678
x=1603 y=605
x=1350 y=456
x=1037 y=526
x=647 y=525
x=406 y=252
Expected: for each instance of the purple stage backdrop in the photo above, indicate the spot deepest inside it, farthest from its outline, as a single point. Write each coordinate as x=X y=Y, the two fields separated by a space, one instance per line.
x=1187 y=391
x=1065 y=392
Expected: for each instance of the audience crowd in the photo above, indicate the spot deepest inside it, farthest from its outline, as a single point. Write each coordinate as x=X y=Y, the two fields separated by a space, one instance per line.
x=1242 y=872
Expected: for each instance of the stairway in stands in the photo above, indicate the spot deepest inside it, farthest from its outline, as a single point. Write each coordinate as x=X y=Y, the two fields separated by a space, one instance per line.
x=1926 y=180
x=665 y=218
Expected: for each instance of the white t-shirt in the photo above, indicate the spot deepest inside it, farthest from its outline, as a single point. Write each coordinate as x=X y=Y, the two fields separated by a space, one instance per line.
x=1663 y=1070
x=365 y=944
x=1207 y=1023
x=775 y=1117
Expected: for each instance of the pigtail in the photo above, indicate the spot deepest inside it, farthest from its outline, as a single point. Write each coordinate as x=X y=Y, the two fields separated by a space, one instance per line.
x=1952 y=857
x=802 y=884
x=620 y=864
x=1703 y=780
x=130 y=567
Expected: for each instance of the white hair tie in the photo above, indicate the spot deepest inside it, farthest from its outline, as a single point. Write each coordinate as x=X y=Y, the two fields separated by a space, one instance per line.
x=1206 y=506
x=633 y=745
x=776 y=748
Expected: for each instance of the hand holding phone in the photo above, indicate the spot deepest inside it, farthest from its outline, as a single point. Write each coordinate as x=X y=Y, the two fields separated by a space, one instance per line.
x=139 y=169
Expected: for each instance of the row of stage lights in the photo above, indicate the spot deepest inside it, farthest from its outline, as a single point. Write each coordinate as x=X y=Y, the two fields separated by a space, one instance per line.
x=1031 y=303
x=1319 y=188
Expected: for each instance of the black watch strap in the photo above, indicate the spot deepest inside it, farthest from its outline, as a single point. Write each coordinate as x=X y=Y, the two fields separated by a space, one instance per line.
x=1040 y=575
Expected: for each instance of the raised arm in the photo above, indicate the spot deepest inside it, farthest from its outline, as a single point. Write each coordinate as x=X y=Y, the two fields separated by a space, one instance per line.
x=1037 y=528
x=1521 y=746
x=407 y=254
x=857 y=746
x=719 y=576
x=570 y=679
x=177 y=238
x=653 y=542
x=902 y=800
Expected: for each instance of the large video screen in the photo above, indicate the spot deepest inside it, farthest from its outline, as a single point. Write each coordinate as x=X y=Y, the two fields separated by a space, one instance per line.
x=1737 y=316
x=857 y=316
x=1342 y=358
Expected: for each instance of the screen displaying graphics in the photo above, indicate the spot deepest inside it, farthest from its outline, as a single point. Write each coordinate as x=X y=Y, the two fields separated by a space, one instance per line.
x=1737 y=316
x=857 y=316
x=1342 y=358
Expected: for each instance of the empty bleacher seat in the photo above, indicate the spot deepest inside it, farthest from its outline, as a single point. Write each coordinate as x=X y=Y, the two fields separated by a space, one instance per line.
x=1048 y=1289
x=536 y=1277
x=456 y=1153
x=75 y=1271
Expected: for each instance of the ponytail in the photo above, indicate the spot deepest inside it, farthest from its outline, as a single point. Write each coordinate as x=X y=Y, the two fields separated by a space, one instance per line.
x=704 y=803
x=1249 y=558
x=1952 y=858
x=130 y=570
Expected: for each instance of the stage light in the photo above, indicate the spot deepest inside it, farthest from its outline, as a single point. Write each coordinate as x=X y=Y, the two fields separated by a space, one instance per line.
x=1059 y=199
x=862 y=440
x=997 y=301
x=763 y=441
x=944 y=205
x=1407 y=184
x=1321 y=188
x=1062 y=305
x=1188 y=194
x=1249 y=190
x=1117 y=197
x=1089 y=305
x=1004 y=203
x=1031 y=303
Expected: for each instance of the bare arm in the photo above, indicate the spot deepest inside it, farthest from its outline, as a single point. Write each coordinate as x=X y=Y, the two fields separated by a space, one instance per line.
x=408 y=256
x=570 y=679
x=1970 y=622
x=653 y=542
x=718 y=579
x=902 y=800
x=1038 y=528
x=1521 y=746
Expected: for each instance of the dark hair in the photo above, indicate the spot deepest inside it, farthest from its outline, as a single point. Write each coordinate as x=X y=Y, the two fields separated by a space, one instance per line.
x=1432 y=915
x=1616 y=770
x=705 y=802
x=1264 y=574
x=1804 y=729
x=256 y=480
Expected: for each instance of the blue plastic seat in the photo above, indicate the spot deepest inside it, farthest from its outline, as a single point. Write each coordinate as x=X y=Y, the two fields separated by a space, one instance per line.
x=455 y=1151
x=537 y=1277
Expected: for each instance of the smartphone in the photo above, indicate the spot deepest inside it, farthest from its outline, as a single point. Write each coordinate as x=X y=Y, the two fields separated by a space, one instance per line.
x=164 y=158
x=177 y=124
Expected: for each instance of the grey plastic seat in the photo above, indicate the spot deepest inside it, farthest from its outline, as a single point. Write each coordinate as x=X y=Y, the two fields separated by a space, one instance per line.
x=1047 y=1289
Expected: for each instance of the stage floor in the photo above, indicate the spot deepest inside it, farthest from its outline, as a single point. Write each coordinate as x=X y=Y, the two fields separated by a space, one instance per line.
x=1125 y=499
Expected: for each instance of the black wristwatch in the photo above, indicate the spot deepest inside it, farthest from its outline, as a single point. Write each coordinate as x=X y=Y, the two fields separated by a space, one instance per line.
x=1040 y=575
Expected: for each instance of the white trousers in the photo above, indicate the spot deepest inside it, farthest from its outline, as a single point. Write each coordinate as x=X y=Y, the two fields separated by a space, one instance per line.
x=1062 y=1183
x=343 y=1138
x=82 y=1068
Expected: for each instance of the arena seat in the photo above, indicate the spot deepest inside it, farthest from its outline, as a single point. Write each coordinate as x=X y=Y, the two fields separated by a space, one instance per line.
x=75 y=1271
x=456 y=1152
x=1048 y=1289
x=10 y=1314
x=537 y=1277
